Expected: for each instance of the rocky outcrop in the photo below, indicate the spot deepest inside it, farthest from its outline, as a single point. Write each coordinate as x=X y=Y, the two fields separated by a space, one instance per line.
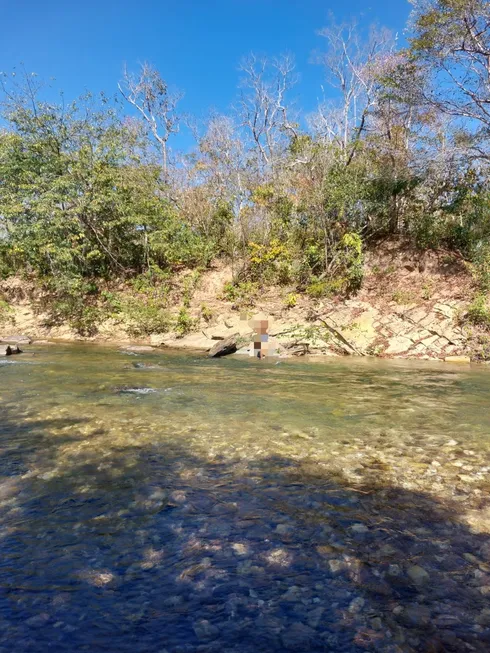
x=224 y=347
x=411 y=331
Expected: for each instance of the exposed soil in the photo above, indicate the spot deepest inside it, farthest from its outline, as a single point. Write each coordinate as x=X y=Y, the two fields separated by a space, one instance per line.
x=410 y=305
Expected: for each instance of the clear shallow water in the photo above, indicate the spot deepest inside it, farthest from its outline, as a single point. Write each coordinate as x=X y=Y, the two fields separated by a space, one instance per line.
x=166 y=502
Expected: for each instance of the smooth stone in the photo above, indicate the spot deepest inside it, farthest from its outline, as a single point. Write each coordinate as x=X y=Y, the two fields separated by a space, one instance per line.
x=205 y=630
x=336 y=566
x=139 y=348
x=415 y=615
x=298 y=637
x=457 y=359
x=243 y=351
x=315 y=616
x=418 y=575
x=356 y=605
x=359 y=528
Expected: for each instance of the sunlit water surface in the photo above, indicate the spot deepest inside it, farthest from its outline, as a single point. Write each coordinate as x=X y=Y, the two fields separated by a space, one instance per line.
x=166 y=502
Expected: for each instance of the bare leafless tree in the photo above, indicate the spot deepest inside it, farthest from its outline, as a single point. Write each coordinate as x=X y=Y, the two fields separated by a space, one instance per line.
x=263 y=107
x=149 y=93
x=352 y=67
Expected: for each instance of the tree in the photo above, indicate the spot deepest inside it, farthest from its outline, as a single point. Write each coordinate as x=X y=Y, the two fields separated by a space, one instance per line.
x=451 y=41
x=263 y=109
x=149 y=93
x=352 y=66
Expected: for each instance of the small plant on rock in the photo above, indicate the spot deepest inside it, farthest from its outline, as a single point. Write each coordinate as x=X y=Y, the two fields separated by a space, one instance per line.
x=291 y=300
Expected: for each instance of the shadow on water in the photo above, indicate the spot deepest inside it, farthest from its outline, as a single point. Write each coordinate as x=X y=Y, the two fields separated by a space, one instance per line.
x=156 y=548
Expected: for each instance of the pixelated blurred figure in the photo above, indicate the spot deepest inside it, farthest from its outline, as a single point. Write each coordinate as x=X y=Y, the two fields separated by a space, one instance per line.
x=262 y=345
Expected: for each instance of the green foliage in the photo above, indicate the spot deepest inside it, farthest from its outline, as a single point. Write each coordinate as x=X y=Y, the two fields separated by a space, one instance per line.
x=184 y=322
x=74 y=302
x=478 y=312
x=317 y=289
x=189 y=286
x=241 y=293
x=207 y=313
x=352 y=260
x=269 y=262
x=5 y=312
x=291 y=300
x=427 y=290
x=146 y=315
x=403 y=297
x=327 y=288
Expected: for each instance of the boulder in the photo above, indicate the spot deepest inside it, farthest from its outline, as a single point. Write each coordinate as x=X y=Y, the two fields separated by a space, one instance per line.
x=224 y=347
x=9 y=350
x=16 y=340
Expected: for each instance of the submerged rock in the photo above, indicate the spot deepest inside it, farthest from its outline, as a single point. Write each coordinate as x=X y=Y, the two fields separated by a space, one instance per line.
x=138 y=348
x=298 y=637
x=224 y=347
x=135 y=391
x=418 y=575
x=205 y=630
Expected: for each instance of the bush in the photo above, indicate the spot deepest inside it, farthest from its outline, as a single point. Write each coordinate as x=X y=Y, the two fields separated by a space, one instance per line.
x=291 y=300
x=5 y=312
x=241 y=293
x=146 y=316
x=73 y=301
x=184 y=323
x=327 y=288
x=478 y=312
x=207 y=313
x=269 y=262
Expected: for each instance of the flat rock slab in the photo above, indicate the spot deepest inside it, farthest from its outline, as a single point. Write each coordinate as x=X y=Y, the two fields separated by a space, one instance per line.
x=16 y=340
x=9 y=350
x=138 y=348
x=224 y=347
x=457 y=359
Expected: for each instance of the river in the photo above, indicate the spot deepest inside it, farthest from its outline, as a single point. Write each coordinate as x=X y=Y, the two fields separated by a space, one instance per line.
x=170 y=503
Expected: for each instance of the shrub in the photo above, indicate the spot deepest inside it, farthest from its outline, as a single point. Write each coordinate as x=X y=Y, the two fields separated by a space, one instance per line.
x=207 y=313
x=73 y=301
x=478 y=312
x=146 y=316
x=269 y=262
x=241 y=293
x=402 y=297
x=184 y=322
x=291 y=300
x=5 y=312
x=327 y=288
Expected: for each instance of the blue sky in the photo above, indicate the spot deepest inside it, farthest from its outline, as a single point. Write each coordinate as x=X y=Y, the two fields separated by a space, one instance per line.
x=196 y=44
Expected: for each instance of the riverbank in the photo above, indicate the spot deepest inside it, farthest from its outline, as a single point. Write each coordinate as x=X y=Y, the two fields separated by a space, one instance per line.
x=408 y=307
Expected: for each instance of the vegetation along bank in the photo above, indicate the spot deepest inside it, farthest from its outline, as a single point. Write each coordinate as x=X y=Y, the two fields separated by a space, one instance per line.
x=360 y=228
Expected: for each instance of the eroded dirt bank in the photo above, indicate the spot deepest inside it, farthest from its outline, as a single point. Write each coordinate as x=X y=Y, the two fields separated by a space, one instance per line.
x=408 y=307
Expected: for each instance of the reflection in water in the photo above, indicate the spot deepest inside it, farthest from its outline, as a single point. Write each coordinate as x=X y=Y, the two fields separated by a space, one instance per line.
x=182 y=504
